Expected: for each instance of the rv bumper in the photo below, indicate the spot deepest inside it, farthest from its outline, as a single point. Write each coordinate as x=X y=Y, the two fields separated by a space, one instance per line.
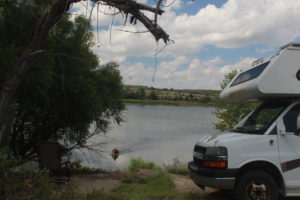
x=223 y=179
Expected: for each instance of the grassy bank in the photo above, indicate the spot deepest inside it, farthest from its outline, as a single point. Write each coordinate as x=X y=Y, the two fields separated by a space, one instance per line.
x=142 y=181
x=158 y=185
x=165 y=102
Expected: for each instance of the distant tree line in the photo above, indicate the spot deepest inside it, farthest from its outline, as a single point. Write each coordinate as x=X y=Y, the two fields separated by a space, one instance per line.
x=146 y=93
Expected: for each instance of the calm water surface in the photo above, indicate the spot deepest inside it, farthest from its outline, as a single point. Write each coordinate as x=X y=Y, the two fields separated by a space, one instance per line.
x=155 y=133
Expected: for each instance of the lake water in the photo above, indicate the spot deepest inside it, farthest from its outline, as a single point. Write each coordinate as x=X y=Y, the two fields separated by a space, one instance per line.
x=155 y=133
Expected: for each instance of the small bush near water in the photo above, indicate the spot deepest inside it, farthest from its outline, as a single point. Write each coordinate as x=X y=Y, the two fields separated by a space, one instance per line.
x=138 y=163
x=181 y=170
x=177 y=167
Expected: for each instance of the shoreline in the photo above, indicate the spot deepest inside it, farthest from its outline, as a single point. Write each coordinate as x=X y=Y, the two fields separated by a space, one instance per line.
x=165 y=103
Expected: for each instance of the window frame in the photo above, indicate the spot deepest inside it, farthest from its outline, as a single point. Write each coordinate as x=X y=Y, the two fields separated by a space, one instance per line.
x=251 y=73
x=285 y=114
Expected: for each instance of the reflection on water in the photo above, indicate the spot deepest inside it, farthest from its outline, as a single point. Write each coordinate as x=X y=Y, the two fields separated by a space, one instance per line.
x=155 y=133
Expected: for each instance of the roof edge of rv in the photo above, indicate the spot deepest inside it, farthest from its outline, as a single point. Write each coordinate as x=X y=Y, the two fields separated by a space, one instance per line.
x=293 y=44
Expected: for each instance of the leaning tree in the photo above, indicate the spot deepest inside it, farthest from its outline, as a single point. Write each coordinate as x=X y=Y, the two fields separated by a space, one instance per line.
x=130 y=8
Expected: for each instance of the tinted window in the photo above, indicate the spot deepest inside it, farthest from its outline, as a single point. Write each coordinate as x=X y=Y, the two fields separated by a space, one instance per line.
x=250 y=74
x=261 y=119
x=290 y=119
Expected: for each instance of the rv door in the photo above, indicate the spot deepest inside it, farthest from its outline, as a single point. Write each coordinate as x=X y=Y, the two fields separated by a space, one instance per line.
x=289 y=151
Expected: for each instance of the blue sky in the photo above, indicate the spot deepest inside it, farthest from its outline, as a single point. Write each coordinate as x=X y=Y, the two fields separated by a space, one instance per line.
x=212 y=37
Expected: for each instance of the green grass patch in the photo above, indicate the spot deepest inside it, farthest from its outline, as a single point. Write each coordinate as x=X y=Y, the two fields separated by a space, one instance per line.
x=156 y=187
x=177 y=167
x=181 y=170
x=100 y=195
x=135 y=179
x=139 y=163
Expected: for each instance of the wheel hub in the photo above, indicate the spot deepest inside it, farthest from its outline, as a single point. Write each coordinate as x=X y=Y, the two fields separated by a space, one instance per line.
x=257 y=191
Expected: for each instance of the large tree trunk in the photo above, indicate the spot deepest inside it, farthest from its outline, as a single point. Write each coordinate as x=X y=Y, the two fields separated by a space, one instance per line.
x=41 y=31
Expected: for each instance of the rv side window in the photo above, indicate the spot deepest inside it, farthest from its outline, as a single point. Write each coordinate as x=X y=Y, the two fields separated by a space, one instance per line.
x=250 y=74
x=290 y=119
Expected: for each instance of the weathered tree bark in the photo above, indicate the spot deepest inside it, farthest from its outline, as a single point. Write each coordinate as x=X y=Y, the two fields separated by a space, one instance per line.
x=40 y=34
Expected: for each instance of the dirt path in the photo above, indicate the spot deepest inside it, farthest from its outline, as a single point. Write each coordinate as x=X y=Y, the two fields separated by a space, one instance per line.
x=110 y=181
x=183 y=184
x=107 y=182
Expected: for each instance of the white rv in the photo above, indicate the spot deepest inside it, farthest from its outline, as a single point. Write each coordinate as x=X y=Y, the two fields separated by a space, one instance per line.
x=260 y=158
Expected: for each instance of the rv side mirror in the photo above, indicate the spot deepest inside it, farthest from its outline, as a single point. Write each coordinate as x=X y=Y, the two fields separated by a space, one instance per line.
x=298 y=124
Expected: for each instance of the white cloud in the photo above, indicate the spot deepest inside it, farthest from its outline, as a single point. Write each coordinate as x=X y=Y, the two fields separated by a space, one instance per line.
x=196 y=75
x=172 y=4
x=259 y=50
x=237 y=23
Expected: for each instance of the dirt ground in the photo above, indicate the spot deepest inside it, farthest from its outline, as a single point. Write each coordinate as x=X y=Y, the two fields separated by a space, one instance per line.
x=183 y=184
x=108 y=182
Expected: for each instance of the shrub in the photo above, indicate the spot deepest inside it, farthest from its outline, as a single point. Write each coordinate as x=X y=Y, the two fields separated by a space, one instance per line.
x=182 y=170
x=138 y=163
x=177 y=167
x=35 y=184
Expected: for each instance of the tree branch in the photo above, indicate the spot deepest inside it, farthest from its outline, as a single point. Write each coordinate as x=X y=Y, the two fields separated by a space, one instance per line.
x=46 y=23
x=132 y=7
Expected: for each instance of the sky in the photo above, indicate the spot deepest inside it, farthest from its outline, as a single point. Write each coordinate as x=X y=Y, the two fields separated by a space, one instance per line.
x=211 y=38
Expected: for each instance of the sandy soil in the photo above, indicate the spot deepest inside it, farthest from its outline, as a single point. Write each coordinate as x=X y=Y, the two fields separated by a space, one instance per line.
x=108 y=182
x=183 y=184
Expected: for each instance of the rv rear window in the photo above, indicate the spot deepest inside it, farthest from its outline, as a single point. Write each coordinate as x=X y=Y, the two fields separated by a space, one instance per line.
x=250 y=74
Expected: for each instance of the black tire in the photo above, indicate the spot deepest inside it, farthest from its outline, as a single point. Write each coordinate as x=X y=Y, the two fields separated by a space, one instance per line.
x=256 y=185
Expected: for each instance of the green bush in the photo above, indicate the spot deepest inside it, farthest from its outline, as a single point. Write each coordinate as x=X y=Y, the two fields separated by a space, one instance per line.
x=6 y=162
x=28 y=184
x=138 y=163
x=182 y=170
x=177 y=167
x=35 y=184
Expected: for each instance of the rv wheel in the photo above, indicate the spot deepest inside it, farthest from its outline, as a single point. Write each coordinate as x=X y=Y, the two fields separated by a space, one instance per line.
x=256 y=185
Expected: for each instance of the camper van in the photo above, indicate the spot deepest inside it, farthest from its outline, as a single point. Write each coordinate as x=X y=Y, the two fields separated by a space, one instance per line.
x=260 y=158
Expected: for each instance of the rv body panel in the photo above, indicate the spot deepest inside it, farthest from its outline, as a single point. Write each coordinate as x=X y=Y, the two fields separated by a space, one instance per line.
x=277 y=80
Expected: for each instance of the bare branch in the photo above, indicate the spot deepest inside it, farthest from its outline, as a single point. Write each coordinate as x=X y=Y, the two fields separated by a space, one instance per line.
x=127 y=31
x=130 y=3
x=156 y=11
x=132 y=7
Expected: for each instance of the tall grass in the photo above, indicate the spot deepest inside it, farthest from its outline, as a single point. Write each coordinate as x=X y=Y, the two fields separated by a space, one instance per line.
x=177 y=167
x=139 y=163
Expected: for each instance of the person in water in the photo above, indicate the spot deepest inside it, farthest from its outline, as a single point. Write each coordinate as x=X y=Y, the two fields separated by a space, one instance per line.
x=115 y=153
